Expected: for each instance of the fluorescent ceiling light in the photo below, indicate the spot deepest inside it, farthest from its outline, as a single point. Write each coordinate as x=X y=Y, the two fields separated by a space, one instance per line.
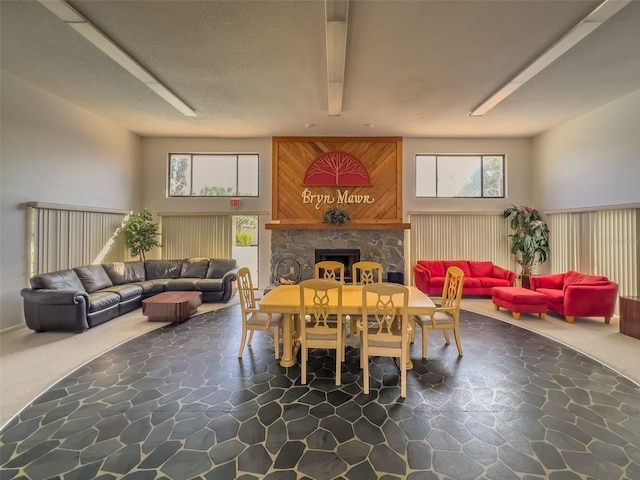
x=72 y=18
x=592 y=21
x=336 y=31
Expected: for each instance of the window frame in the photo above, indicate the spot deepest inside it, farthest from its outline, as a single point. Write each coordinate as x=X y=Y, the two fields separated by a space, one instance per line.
x=191 y=156
x=481 y=157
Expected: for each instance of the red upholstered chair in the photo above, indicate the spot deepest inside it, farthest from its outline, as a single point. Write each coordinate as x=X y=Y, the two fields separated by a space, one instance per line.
x=575 y=294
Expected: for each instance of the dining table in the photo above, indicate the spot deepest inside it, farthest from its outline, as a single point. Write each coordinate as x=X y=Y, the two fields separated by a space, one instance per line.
x=285 y=299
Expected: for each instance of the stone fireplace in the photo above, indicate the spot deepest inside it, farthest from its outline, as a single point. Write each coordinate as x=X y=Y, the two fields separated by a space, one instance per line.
x=383 y=246
x=346 y=256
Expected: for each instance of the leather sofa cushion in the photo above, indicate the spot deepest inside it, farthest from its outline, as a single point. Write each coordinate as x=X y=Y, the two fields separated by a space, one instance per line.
x=126 y=292
x=194 y=268
x=93 y=277
x=480 y=269
x=435 y=267
x=461 y=264
x=162 y=269
x=61 y=280
x=209 y=285
x=218 y=267
x=180 y=284
x=151 y=287
x=125 y=272
x=101 y=300
x=436 y=282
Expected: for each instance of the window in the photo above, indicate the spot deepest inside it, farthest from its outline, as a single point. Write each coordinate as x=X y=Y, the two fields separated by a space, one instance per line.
x=213 y=175
x=474 y=176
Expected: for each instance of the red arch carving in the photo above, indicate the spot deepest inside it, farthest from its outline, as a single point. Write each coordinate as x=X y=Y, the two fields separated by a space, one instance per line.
x=337 y=168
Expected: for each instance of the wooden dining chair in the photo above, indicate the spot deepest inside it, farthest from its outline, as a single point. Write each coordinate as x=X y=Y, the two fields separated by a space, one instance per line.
x=365 y=273
x=317 y=298
x=252 y=318
x=385 y=328
x=330 y=270
x=447 y=315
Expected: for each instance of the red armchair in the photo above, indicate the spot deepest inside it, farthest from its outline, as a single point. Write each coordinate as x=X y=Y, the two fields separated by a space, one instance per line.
x=575 y=294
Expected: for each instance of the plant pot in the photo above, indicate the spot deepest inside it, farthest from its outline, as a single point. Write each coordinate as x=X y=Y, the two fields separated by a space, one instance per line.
x=524 y=281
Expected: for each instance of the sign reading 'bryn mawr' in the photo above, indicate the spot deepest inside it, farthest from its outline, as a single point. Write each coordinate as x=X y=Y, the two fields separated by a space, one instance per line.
x=342 y=197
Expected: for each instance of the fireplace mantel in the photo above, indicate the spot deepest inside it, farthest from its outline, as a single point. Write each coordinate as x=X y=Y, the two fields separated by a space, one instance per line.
x=327 y=226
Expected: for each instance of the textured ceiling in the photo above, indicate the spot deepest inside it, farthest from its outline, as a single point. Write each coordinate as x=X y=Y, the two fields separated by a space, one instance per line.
x=258 y=68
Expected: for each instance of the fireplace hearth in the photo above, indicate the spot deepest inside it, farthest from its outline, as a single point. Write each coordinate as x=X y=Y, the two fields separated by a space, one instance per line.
x=346 y=256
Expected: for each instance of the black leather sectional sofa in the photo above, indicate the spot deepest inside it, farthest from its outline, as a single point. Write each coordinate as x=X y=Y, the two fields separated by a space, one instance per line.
x=83 y=297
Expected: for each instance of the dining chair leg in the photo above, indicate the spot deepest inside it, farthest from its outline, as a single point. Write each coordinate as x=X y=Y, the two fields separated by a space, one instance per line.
x=403 y=373
x=339 y=360
x=242 y=340
x=425 y=342
x=456 y=334
x=365 y=375
x=250 y=337
x=276 y=341
x=446 y=337
x=303 y=361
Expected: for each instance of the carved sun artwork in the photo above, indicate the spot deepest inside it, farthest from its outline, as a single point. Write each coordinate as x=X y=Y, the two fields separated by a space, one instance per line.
x=337 y=169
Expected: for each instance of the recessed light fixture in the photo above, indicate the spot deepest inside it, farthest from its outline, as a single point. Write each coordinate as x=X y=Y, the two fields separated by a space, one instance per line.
x=309 y=125
x=369 y=125
x=71 y=17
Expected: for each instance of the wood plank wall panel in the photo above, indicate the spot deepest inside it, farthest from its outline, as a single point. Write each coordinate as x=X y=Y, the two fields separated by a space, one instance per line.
x=381 y=156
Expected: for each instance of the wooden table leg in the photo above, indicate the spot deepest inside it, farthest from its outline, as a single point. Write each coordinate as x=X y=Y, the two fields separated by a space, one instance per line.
x=288 y=344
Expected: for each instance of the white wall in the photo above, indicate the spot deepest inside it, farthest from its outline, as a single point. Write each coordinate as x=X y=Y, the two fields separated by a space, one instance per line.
x=55 y=152
x=518 y=171
x=155 y=164
x=590 y=161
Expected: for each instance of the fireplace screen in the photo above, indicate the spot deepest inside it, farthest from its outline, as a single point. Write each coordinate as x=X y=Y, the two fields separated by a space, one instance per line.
x=346 y=256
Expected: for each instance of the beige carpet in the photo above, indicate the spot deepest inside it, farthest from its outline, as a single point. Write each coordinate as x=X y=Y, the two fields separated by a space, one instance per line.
x=30 y=363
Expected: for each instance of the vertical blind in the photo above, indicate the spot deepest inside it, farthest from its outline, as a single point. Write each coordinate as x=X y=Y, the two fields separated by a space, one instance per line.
x=450 y=236
x=63 y=238
x=602 y=242
x=185 y=236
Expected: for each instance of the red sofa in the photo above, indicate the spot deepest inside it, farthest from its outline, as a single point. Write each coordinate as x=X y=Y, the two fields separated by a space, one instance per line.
x=575 y=294
x=479 y=277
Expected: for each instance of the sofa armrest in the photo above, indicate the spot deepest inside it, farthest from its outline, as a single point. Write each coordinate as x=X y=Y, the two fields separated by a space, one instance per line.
x=590 y=300
x=229 y=284
x=547 y=281
x=421 y=278
x=44 y=296
x=509 y=275
x=58 y=310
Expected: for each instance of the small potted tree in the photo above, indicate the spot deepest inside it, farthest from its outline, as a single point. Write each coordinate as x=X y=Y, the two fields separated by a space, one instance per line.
x=530 y=240
x=141 y=234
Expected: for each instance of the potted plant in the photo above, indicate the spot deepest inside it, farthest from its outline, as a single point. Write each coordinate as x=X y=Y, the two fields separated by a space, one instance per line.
x=530 y=240
x=336 y=216
x=140 y=234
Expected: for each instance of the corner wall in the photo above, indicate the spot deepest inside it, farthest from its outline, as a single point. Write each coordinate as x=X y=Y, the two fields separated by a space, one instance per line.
x=590 y=161
x=55 y=152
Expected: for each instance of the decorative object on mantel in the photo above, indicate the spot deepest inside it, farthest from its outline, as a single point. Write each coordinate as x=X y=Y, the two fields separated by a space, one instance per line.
x=530 y=240
x=336 y=216
x=287 y=272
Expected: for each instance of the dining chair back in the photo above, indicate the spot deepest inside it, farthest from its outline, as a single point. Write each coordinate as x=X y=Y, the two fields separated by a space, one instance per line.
x=321 y=324
x=385 y=328
x=252 y=318
x=330 y=270
x=447 y=316
x=365 y=273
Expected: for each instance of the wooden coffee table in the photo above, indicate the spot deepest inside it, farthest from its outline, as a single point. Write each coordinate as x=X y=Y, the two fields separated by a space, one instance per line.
x=172 y=307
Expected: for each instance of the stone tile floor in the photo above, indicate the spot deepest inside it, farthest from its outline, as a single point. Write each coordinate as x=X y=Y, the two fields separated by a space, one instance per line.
x=177 y=403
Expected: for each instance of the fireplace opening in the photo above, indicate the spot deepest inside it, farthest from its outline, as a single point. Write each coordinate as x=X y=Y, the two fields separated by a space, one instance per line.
x=346 y=256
